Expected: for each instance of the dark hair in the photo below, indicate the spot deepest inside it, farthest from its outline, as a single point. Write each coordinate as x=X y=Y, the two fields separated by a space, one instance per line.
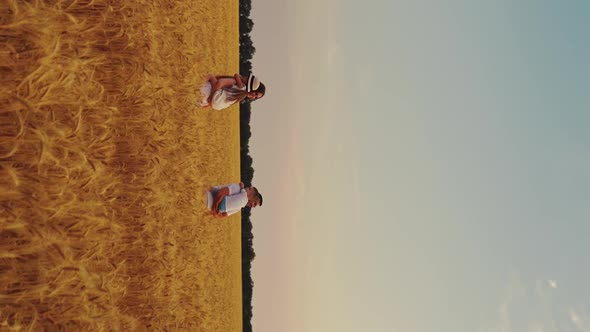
x=238 y=95
x=261 y=89
x=258 y=194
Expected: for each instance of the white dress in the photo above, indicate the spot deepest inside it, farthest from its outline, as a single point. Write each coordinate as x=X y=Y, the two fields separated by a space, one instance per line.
x=219 y=100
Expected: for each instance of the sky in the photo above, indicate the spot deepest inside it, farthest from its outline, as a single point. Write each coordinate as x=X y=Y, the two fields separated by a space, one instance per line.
x=425 y=165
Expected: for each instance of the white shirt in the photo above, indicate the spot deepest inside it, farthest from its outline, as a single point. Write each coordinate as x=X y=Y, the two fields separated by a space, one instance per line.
x=234 y=202
x=234 y=188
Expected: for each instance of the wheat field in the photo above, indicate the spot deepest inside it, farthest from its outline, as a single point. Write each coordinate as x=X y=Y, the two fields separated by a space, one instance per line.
x=103 y=162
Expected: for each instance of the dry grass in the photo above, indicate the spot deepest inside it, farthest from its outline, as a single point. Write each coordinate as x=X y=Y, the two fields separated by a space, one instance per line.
x=103 y=161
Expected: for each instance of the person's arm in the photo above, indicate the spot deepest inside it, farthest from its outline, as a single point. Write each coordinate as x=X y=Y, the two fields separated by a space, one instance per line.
x=212 y=79
x=223 y=82
x=235 y=203
x=240 y=81
x=220 y=82
x=234 y=188
x=219 y=85
x=237 y=79
x=223 y=191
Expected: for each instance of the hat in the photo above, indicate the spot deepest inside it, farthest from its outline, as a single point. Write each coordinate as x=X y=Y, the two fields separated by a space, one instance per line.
x=253 y=83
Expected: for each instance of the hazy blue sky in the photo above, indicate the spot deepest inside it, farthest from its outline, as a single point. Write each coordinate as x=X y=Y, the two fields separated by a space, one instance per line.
x=425 y=165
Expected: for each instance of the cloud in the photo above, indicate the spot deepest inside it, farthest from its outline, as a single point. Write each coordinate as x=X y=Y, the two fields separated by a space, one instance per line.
x=578 y=321
x=514 y=291
x=537 y=306
x=536 y=327
x=575 y=318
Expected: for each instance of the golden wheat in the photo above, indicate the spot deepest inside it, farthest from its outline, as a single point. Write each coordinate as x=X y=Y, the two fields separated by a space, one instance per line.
x=103 y=161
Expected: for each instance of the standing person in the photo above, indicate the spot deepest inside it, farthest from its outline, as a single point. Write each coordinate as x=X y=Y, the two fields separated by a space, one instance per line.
x=221 y=92
x=226 y=200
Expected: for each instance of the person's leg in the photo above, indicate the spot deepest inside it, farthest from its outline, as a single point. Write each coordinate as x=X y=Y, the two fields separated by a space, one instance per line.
x=223 y=205
x=205 y=93
x=210 y=197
